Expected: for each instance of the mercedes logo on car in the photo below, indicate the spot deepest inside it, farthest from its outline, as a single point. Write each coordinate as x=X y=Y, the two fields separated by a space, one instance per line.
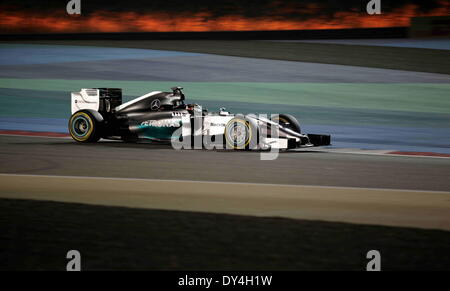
x=155 y=104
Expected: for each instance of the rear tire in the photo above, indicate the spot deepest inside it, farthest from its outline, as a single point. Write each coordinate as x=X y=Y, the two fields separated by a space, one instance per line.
x=84 y=127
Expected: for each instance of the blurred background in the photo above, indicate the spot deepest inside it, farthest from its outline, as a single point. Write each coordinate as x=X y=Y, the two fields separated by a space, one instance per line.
x=201 y=15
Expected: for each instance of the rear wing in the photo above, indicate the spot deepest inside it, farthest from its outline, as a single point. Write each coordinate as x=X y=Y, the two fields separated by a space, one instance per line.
x=103 y=100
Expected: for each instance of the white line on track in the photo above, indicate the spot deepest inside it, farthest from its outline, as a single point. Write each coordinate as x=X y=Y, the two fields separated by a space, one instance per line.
x=385 y=153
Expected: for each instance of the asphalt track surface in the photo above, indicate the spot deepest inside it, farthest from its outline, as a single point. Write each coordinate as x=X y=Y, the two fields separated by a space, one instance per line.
x=433 y=43
x=97 y=63
x=232 y=182
x=397 y=58
x=55 y=156
x=422 y=209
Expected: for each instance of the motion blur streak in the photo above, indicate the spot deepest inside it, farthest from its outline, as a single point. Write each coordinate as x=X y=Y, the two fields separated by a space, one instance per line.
x=103 y=21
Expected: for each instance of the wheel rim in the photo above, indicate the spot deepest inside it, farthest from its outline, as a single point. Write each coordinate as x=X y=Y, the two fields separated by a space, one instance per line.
x=238 y=134
x=81 y=126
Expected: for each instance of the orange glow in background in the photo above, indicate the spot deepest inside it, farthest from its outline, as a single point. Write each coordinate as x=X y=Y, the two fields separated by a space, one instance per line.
x=101 y=21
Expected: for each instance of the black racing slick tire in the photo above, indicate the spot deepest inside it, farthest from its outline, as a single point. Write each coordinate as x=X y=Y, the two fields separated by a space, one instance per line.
x=85 y=126
x=241 y=133
x=287 y=121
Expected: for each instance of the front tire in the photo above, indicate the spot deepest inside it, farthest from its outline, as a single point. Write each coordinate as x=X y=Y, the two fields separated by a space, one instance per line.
x=287 y=121
x=241 y=134
x=84 y=127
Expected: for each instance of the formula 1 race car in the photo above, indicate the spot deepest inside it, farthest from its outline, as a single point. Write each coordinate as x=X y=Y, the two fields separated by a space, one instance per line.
x=164 y=116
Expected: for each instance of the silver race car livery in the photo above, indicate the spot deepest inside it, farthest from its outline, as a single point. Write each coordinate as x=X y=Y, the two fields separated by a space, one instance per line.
x=164 y=117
